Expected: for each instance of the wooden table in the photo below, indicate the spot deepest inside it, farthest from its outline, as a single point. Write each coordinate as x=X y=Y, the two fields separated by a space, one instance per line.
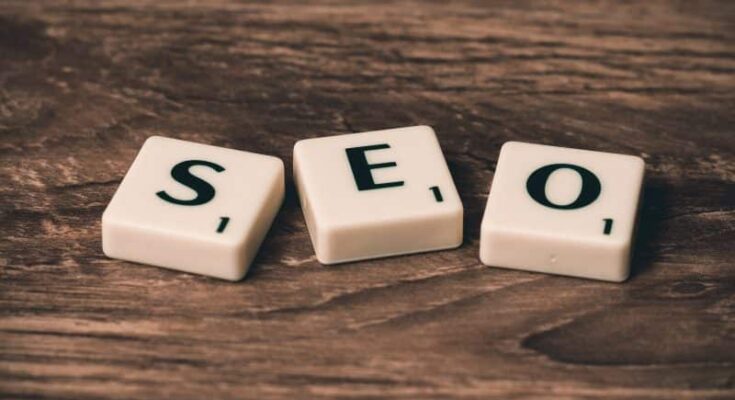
x=83 y=84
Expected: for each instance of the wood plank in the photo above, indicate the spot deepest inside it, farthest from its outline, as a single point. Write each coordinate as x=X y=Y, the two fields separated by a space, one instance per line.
x=83 y=84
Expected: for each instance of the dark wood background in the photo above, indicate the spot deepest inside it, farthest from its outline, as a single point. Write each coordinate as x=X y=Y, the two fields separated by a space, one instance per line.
x=82 y=84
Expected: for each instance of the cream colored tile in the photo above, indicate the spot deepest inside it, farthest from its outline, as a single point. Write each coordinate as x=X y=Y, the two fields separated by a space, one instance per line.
x=193 y=207
x=562 y=211
x=377 y=194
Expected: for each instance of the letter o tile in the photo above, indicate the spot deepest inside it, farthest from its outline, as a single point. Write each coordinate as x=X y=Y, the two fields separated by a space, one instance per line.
x=532 y=223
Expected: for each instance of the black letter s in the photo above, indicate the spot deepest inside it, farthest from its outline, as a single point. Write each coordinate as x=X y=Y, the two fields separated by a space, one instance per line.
x=180 y=172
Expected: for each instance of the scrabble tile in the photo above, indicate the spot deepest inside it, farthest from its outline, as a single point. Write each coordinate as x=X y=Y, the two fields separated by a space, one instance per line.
x=377 y=194
x=193 y=207
x=562 y=211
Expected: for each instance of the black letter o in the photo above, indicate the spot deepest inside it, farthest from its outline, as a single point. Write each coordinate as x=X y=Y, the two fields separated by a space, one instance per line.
x=536 y=186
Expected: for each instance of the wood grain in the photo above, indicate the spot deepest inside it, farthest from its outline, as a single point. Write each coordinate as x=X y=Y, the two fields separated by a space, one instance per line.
x=83 y=83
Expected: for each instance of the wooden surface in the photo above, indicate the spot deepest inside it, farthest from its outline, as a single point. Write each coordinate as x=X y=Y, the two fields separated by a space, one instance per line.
x=82 y=84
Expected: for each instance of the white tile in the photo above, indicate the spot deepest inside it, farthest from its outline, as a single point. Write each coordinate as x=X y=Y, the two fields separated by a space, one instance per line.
x=377 y=194
x=210 y=219
x=577 y=219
